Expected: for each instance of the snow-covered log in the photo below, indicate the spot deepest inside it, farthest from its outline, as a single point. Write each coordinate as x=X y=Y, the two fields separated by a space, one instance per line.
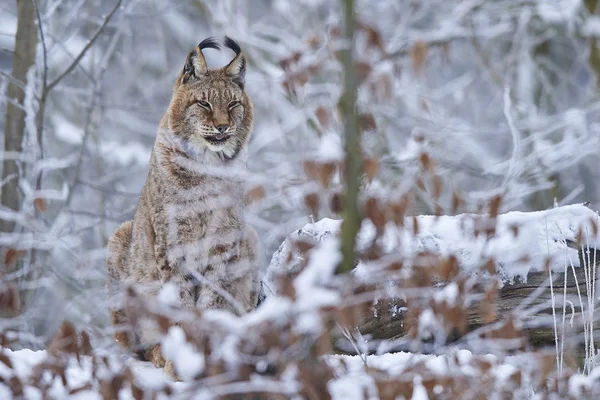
x=529 y=249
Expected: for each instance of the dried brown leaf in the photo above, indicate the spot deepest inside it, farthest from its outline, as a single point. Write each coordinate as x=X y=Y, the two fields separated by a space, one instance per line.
x=289 y=87
x=374 y=38
x=374 y=212
x=336 y=203
x=312 y=200
x=311 y=169
x=579 y=237
x=163 y=322
x=437 y=187
x=514 y=229
x=449 y=268
x=6 y=360
x=371 y=168
x=10 y=299
x=326 y=171
x=399 y=209
x=65 y=340
x=363 y=70
x=255 y=194
x=81 y=388
x=456 y=202
x=303 y=246
x=495 y=203
x=418 y=54
x=594 y=227
x=323 y=116
x=426 y=162
x=314 y=41
x=39 y=204
x=286 y=283
x=366 y=122
x=86 y=344
x=11 y=256
x=415 y=225
x=16 y=386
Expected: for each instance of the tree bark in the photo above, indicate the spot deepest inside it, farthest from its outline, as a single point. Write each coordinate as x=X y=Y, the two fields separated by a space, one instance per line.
x=594 y=58
x=24 y=57
x=352 y=214
x=537 y=318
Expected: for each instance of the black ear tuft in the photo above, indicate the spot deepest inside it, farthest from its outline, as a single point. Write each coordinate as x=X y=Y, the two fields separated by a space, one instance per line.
x=195 y=65
x=232 y=44
x=209 y=43
x=236 y=69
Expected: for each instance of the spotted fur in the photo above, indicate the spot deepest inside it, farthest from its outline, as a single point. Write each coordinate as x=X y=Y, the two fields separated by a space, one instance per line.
x=189 y=226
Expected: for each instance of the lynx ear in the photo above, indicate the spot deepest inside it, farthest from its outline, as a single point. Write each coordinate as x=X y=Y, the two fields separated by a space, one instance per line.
x=195 y=65
x=236 y=69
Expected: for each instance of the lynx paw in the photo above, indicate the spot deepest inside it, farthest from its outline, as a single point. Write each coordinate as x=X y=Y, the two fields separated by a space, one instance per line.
x=170 y=371
x=155 y=356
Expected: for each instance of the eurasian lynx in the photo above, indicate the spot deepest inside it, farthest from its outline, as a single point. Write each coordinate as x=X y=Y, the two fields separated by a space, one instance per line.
x=189 y=227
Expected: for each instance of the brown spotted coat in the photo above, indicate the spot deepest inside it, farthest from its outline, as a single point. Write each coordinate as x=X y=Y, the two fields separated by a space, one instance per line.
x=189 y=226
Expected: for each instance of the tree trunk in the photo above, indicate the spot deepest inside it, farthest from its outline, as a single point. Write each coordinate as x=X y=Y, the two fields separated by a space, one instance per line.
x=594 y=58
x=23 y=59
x=352 y=214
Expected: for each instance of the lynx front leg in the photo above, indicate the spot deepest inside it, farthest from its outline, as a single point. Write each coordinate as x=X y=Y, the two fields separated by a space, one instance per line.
x=155 y=356
x=116 y=268
x=123 y=333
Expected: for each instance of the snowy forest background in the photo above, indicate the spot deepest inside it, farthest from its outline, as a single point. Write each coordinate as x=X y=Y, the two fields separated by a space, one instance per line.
x=466 y=106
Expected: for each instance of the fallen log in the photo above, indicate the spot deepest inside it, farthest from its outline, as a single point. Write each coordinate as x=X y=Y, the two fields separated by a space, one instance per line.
x=572 y=315
x=546 y=239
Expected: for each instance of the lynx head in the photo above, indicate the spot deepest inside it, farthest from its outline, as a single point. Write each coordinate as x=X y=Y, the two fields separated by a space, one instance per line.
x=209 y=108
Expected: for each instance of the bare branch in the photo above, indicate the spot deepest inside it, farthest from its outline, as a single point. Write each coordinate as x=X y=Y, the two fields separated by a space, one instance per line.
x=91 y=42
x=105 y=190
x=40 y=27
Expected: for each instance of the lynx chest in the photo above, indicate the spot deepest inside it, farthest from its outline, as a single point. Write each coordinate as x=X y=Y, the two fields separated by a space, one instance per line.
x=204 y=224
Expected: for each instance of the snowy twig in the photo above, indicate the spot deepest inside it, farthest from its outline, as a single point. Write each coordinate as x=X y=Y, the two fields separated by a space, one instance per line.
x=43 y=40
x=515 y=137
x=89 y=44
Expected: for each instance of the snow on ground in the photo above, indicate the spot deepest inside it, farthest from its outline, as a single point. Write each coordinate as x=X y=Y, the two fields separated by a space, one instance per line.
x=541 y=234
x=77 y=374
x=351 y=379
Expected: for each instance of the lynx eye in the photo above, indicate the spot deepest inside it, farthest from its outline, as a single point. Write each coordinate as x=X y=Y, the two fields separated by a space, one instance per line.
x=204 y=104
x=234 y=104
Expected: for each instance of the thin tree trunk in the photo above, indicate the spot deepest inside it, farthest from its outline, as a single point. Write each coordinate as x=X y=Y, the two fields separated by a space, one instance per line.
x=24 y=58
x=352 y=214
x=594 y=57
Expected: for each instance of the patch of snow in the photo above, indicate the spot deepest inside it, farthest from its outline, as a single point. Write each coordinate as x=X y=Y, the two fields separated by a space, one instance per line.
x=8 y=22
x=188 y=362
x=428 y=324
x=541 y=235
x=558 y=11
x=419 y=392
x=330 y=148
x=352 y=378
x=591 y=26
x=578 y=385
x=449 y=294
x=169 y=295
x=504 y=372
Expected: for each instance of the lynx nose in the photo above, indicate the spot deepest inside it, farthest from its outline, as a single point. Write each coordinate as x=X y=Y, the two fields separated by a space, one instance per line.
x=222 y=128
